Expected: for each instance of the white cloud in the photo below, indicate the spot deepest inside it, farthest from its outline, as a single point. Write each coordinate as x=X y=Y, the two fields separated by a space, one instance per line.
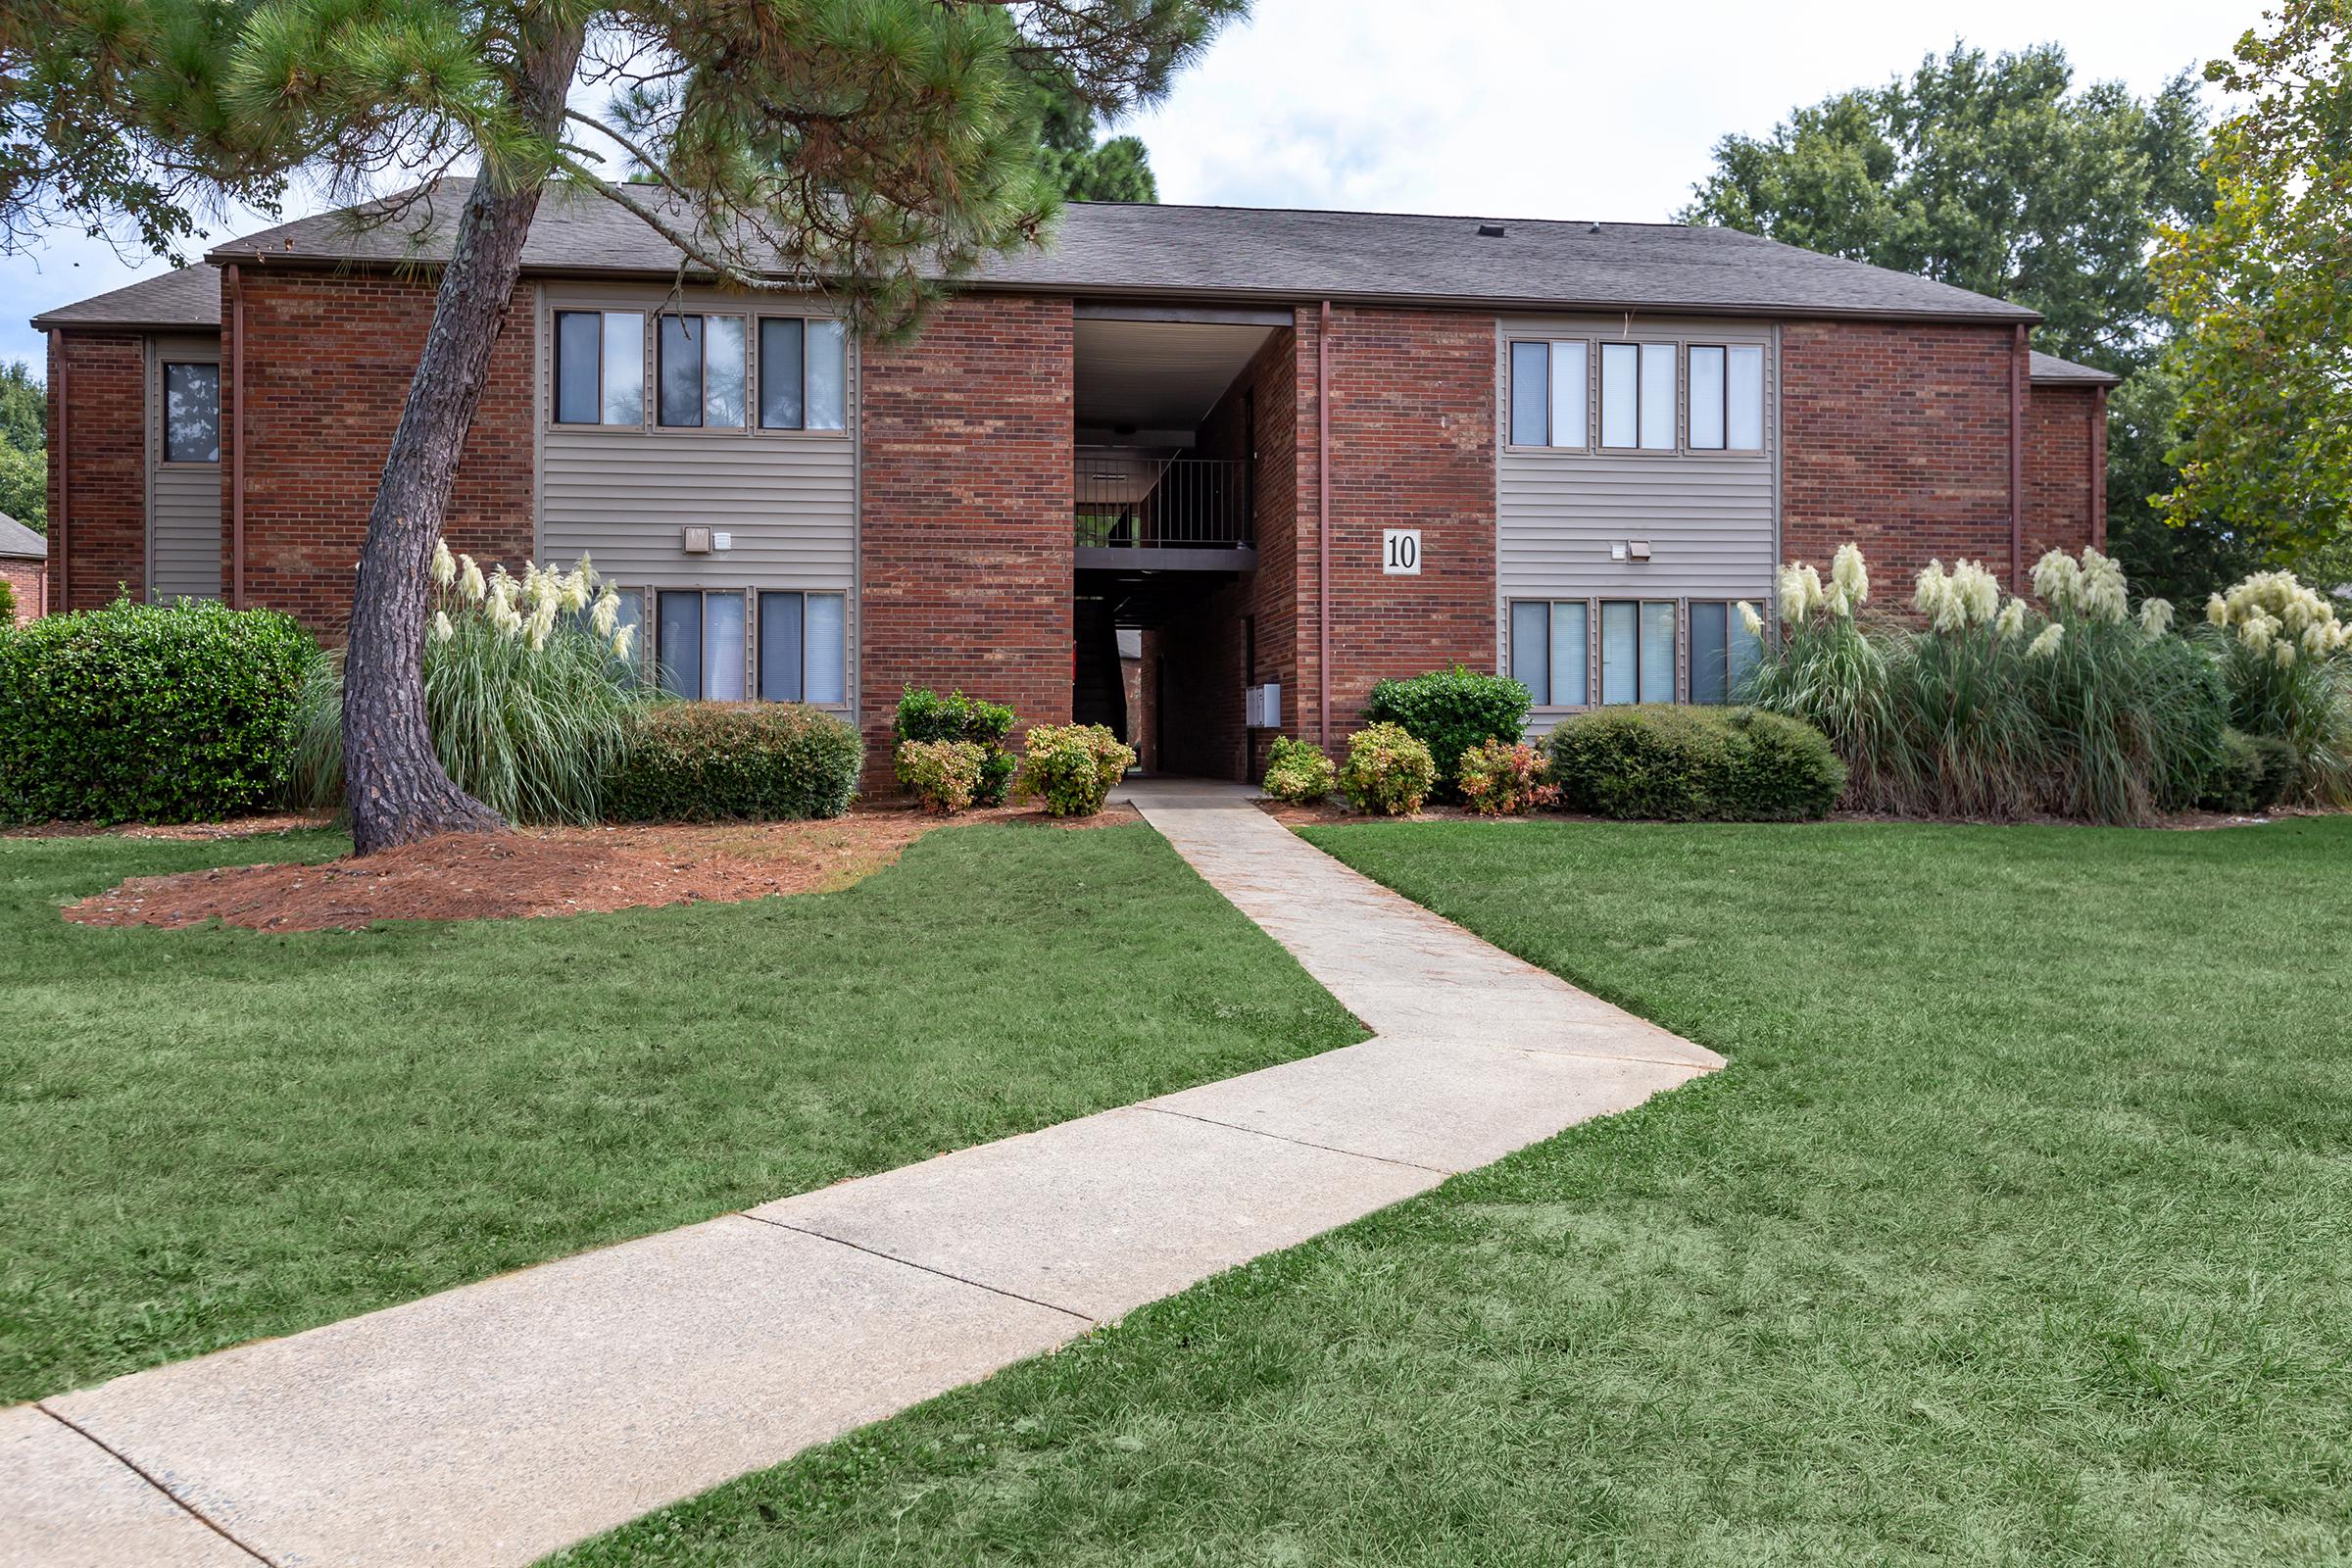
x=1486 y=106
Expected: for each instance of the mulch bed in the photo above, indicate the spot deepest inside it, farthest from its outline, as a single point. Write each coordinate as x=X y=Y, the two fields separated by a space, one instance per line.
x=540 y=871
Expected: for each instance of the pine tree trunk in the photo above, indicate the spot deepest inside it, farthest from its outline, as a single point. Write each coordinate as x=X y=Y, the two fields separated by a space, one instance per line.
x=393 y=779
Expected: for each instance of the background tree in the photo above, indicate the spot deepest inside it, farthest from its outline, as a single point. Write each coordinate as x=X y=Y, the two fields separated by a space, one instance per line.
x=24 y=446
x=2001 y=176
x=2264 y=293
x=867 y=147
x=1082 y=168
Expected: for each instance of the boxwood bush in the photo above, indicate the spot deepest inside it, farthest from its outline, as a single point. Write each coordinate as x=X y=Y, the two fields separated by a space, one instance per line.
x=925 y=715
x=2255 y=773
x=1450 y=711
x=148 y=713
x=1695 y=765
x=708 y=762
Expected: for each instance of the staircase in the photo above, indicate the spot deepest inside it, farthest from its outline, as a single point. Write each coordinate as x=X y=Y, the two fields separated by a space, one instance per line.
x=1097 y=695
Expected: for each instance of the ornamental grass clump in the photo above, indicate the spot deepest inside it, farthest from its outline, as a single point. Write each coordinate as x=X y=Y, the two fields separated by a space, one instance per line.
x=1505 y=778
x=529 y=687
x=2284 y=656
x=1070 y=769
x=1297 y=773
x=1387 y=772
x=1826 y=672
x=944 y=775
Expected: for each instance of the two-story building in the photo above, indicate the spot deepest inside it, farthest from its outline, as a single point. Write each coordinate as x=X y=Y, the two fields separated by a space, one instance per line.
x=1297 y=450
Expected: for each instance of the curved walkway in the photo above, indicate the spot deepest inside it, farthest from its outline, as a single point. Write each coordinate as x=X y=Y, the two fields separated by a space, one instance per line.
x=492 y=1424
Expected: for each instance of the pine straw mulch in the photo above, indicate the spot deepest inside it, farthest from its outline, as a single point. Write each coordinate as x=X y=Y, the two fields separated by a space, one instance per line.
x=541 y=871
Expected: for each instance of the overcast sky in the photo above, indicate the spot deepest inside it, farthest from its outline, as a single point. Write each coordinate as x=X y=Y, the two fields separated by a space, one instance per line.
x=1510 y=108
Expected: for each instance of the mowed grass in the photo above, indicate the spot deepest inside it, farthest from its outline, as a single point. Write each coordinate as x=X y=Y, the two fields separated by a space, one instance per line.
x=2019 y=1231
x=211 y=1134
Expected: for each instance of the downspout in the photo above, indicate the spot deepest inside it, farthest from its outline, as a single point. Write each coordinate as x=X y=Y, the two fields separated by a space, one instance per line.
x=2097 y=441
x=1323 y=528
x=64 y=478
x=2017 y=459
x=236 y=440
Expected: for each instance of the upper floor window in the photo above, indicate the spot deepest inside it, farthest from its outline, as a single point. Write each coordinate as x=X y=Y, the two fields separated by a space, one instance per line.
x=702 y=368
x=1727 y=398
x=1548 y=381
x=804 y=374
x=1638 y=396
x=600 y=368
x=192 y=412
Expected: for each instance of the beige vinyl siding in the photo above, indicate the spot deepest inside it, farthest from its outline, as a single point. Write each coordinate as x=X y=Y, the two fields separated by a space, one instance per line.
x=1710 y=518
x=183 y=499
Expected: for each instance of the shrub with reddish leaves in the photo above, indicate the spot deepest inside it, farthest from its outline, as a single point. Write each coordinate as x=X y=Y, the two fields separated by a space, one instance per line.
x=1499 y=778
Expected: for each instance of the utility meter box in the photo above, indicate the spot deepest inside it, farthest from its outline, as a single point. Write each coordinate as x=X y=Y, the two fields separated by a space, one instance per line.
x=1261 y=706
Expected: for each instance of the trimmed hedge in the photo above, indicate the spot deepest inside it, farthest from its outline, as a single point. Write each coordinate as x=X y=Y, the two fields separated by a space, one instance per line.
x=712 y=762
x=2255 y=773
x=1450 y=711
x=148 y=713
x=925 y=715
x=1695 y=765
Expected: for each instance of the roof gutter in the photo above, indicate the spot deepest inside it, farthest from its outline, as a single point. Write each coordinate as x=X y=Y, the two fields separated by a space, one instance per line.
x=64 y=475
x=1323 y=530
x=236 y=440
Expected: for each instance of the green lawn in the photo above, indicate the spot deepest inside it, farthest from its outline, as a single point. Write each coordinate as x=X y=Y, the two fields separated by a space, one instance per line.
x=211 y=1134
x=2017 y=1231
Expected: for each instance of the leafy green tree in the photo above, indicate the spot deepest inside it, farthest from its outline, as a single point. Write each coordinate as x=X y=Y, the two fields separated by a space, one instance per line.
x=2264 y=293
x=1082 y=168
x=23 y=442
x=2000 y=175
x=869 y=147
x=24 y=487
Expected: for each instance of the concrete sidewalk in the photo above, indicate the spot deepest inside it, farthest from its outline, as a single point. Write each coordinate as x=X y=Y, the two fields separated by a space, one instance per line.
x=492 y=1424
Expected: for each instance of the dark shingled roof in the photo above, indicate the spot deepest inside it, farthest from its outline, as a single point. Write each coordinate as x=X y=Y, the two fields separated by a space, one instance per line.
x=189 y=297
x=1261 y=254
x=2050 y=367
x=17 y=540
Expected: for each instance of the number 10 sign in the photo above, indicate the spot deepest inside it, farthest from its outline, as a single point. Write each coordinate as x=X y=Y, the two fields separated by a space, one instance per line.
x=1400 y=552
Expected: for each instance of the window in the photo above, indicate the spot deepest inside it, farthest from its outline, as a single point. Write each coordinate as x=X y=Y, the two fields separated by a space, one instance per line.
x=191 y=414
x=1547 y=395
x=1637 y=650
x=700 y=649
x=702 y=372
x=1549 y=651
x=803 y=374
x=801 y=643
x=600 y=368
x=1638 y=396
x=1727 y=398
x=1722 y=650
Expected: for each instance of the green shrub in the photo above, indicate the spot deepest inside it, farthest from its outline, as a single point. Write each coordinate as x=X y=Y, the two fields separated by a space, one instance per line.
x=1450 y=711
x=2256 y=772
x=1695 y=765
x=1388 y=771
x=1503 y=778
x=1299 y=773
x=712 y=762
x=1071 y=768
x=925 y=715
x=148 y=713
x=8 y=605
x=943 y=775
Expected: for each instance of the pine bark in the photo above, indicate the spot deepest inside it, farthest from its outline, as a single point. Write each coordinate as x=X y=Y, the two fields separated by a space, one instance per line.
x=396 y=787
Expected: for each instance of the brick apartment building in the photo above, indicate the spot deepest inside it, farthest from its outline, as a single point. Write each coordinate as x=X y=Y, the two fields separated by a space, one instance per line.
x=1296 y=451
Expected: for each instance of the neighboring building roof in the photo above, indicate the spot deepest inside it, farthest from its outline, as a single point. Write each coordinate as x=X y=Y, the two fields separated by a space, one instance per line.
x=187 y=297
x=1261 y=254
x=18 y=539
x=2050 y=367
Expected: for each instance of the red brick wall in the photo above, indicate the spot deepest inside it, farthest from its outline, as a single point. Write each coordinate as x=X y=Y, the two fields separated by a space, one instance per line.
x=2064 y=428
x=1896 y=437
x=28 y=581
x=965 y=522
x=328 y=359
x=105 y=505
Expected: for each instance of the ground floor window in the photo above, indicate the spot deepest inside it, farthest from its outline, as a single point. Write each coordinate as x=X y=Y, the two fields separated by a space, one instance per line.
x=1640 y=650
x=722 y=644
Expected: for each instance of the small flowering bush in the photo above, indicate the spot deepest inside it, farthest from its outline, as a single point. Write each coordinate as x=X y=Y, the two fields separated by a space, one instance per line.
x=1450 y=711
x=943 y=775
x=926 y=715
x=529 y=690
x=2283 y=650
x=1388 y=771
x=1071 y=768
x=1503 y=778
x=1299 y=773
